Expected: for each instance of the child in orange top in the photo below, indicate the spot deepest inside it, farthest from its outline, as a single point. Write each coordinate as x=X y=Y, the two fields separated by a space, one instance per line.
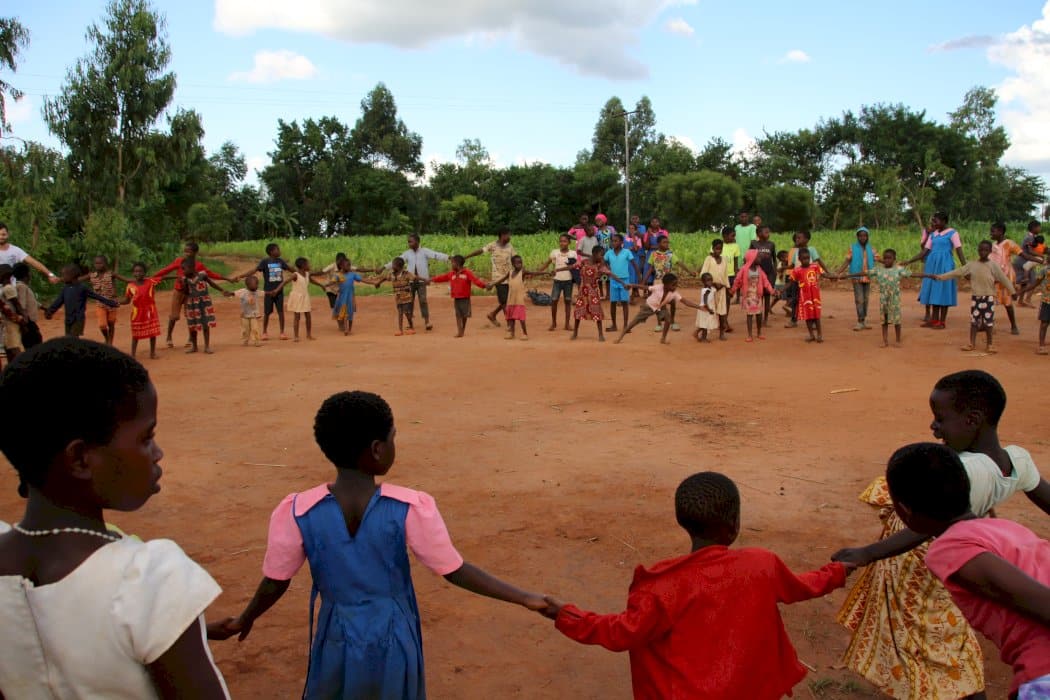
x=706 y=624
x=807 y=277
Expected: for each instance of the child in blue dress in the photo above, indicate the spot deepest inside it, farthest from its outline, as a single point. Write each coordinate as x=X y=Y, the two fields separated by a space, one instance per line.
x=343 y=310
x=938 y=244
x=355 y=535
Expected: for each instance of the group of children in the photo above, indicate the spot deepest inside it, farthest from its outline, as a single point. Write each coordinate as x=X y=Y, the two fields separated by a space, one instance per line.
x=701 y=625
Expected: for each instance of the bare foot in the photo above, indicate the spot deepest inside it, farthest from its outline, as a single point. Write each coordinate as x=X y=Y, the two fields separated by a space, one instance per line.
x=554 y=328
x=310 y=337
x=573 y=336
x=601 y=339
x=191 y=351
x=154 y=356
x=618 y=341
x=209 y=351
x=885 y=345
x=458 y=335
x=611 y=328
x=663 y=342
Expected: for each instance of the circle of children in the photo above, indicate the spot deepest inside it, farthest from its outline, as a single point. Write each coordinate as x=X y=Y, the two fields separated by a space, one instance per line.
x=87 y=611
x=592 y=264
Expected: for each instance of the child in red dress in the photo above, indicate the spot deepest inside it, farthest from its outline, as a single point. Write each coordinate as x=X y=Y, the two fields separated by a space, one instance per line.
x=807 y=276
x=145 y=320
x=706 y=624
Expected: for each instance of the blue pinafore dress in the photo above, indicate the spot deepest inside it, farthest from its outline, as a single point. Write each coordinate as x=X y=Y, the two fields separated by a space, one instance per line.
x=939 y=261
x=368 y=642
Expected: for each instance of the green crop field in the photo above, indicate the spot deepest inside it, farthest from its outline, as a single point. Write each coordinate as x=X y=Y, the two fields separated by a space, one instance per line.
x=374 y=251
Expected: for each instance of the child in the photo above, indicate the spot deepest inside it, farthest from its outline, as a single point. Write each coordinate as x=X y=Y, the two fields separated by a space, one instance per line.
x=662 y=262
x=924 y=633
x=178 y=297
x=807 y=277
x=938 y=295
x=401 y=280
x=1003 y=252
x=801 y=240
x=515 y=281
x=563 y=258
x=1039 y=249
x=706 y=624
x=717 y=264
x=251 y=310
x=345 y=305
x=272 y=268
x=997 y=571
x=299 y=299
x=860 y=260
x=84 y=611
x=767 y=262
x=589 y=302
x=363 y=576
x=635 y=242
x=31 y=336
x=780 y=285
x=13 y=326
x=753 y=285
x=731 y=251
x=621 y=262
x=200 y=315
x=707 y=318
x=1022 y=272
x=74 y=298
x=145 y=319
x=500 y=251
x=983 y=274
x=662 y=297
x=889 y=277
x=460 y=279
x=331 y=287
x=101 y=279
x=1042 y=284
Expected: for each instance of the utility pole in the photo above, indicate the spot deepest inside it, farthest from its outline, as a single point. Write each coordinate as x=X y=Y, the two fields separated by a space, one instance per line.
x=627 y=168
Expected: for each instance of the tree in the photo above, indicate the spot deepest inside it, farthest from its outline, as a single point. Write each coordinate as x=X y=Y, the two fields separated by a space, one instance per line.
x=111 y=101
x=607 y=143
x=465 y=211
x=210 y=221
x=382 y=139
x=471 y=152
x=975 y=118
x=786 y=207
x=229 y=166
x=696 y=201
x=106 y=233
x=13 y=39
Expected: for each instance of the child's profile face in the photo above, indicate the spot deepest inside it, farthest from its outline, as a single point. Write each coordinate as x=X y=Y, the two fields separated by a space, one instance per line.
x=382 y=455
x=125 y=471
x=955 y=429
x=757 y=221
x=671 y=286
x=188 y=252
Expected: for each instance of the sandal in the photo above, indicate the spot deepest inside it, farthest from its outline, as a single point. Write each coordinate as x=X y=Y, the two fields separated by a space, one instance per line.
x=749 y=339
x=1042 y=351
x=284 y=337
x=967 y=348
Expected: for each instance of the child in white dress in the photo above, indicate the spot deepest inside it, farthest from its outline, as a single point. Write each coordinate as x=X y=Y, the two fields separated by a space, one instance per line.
x=706 y=318
x=299 y=299
x=86 y=612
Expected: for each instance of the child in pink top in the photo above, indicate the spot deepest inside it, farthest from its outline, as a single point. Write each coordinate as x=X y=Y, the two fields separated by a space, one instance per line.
x=355 y=535
x=752 y=282
x=661 y=296
x=998 y=572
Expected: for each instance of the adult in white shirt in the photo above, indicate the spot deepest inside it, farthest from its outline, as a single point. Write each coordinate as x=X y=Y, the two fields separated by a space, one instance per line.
x=417 y=261
x=11 y=254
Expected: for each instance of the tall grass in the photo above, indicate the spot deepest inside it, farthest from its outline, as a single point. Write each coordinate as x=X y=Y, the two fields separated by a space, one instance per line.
x=692 y=248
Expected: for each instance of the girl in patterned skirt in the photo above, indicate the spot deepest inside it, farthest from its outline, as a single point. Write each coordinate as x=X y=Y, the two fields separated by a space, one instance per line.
x=200 y=315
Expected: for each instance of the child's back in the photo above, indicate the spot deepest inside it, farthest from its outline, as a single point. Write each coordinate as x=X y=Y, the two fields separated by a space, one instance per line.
x=706 y=625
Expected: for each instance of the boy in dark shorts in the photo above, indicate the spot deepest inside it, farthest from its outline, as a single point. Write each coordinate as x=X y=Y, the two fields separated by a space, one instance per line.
x=74 y=298
x=272 y=269
x=460 y=279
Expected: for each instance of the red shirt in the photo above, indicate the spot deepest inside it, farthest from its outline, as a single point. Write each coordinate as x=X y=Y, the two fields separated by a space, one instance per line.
x=176 y=264
x=459 y=282
x=706 y=625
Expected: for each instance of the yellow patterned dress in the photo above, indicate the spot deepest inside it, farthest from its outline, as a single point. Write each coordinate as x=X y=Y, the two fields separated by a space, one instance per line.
x=909 y=639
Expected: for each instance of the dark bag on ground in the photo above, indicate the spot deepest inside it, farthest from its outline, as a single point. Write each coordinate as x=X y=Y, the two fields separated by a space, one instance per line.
x=539 y=298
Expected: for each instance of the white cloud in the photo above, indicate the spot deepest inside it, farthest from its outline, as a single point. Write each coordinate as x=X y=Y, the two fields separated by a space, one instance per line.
x=19 y=111
x=973 y=41
x=796 y=56
x=743 y=142
x=272 y=66
x=680 y=27
x=551 y=29
x=1025 y=96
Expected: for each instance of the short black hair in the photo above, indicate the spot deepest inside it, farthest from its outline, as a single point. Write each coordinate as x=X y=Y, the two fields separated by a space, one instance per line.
x=942 y=215
x=340 y=256
x=670 y=278
x=929 y=478
x=617 y=235
x=706 y=275
x=1039 y=239
x=194 y=246
x=139 y=264
x=20 y=271
x=459 y=260
x=300 y=261
x=107 y=380
x=270 y=247
x=348 y=423
x=515 y=257
x=985 y=242
x=661 y=239
x=707 y=504
x=718 y=242
x=597 y=249
x=999 y=226
x=72 y=268
x=414 y=237
x=503 y=231
x=6 y=270
x=974 y=390
x=726 y=230
x=889 y=251
x=3 y=225
x=397 y=260
x=805 y=233
x=1032 y=225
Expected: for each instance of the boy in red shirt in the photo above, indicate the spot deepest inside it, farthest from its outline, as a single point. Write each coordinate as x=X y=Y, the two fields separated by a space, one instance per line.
x=460 y=279
x=706 y=625
x=998 y=572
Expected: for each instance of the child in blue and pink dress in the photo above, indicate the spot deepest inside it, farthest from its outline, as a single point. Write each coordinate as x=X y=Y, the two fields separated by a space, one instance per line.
x=355 y=536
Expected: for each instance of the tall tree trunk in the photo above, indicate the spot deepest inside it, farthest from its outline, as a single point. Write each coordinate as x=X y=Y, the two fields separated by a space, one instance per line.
x=120 y=173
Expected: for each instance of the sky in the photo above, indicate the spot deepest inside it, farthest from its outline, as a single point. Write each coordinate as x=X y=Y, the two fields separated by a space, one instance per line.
x=529 y=77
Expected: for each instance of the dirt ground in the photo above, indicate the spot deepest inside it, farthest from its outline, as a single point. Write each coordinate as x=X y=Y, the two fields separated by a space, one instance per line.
x=555 y=465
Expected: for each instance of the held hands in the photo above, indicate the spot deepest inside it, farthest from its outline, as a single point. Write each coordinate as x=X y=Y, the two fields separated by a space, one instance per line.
x=227 y=293
x=224 y=629
x=552 y=606
x=852 y=557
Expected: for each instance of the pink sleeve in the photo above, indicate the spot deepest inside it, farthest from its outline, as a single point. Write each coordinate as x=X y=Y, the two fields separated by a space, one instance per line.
x=956 y=241
x=428 y=537
x=952 y=551
x=928 y=243
x=284 y=544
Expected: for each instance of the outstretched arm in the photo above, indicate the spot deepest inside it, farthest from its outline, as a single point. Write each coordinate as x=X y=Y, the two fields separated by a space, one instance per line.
x=643 y=621
x=33 y=262
x=266 y=596
x=795 y=588
x=475 y=254
x=101 y=299
x=904 y=541
x=988 y=576
x=475 y=580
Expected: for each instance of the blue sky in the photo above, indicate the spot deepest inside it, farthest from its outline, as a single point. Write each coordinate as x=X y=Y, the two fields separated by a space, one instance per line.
x=528 y=77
